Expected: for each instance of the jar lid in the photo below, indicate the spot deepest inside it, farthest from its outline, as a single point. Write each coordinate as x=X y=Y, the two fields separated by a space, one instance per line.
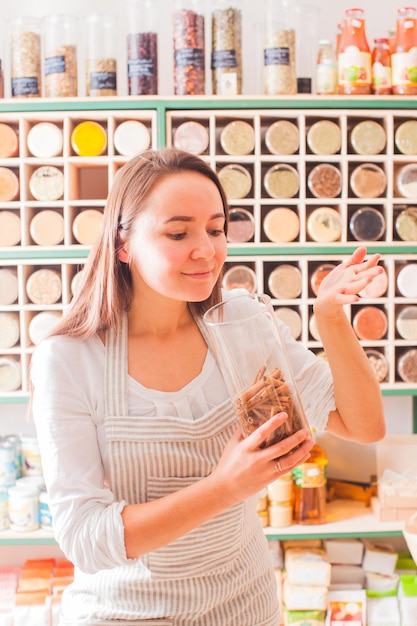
x=89 y=139
x=9 y=228
x=282 y=137
x=379 y=364
x=282 y=181
x=325 y=181
x=324 y=224
x=240 y=277
x=407 y=366
x=368 y=181
x=86 y=226
x=377 y=287
x=9 y=288
x=47 y=183
x=237 y=138
x=281 y=225
x=319 y=275
x=370 y=323
x=192 y=137
x=47 y=228
x=367 y=224
x=77 y=281
x=10 y=374
x=9 y=330
x=236 y=181
x=285 y=282
x=407 y=280
x=406 y=224
x=9 y=185
x=406 y=137
x=312 y=327
x=406 y=180
x=41 y=324
x=240 y=225
x=324 y=137
x=44 y=286
x=406 y=323
x=131 y=138
x=368 y=137
x=9 y=141
x=45 y=140
x=290 y=318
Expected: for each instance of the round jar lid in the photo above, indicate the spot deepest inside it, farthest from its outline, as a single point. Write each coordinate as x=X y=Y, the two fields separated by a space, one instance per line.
x=47 y=183
x=406 y=224
x=281 y=224
x=9 y=185
x=367 y=224
x=406 y=180
x=285 y=282
x=291 y=318
x=131 y=138
x=9 y=141
x=9 y=228
x=368 y=137
x=377 y=287
x=324 y=137
x=236 y=181
x=86 y=226
x=407 y=280
x=379 y=364
x=9 y=330
x=89 y=139
x=237 y=138
x=282 y=137
x=406 y=137
x=407 y=366
x=282 y=181
x=240 y=277
x=325 y=181
x=45 y=140
x=406 y=323
x=44 y=286
x=368 y=181
x=10 y=374
x=240 y=226
x=370 y=323
x=319 y=275
x=312 y=327
x=192 y=137
x=47 y=228
x=9 y=289
x=41 y=324
x=324 y=224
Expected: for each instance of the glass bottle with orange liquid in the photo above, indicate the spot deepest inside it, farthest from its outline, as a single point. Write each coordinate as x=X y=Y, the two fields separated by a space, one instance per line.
x=309 y=488
x=381 y=67
x=354 y=58
x=404 y=58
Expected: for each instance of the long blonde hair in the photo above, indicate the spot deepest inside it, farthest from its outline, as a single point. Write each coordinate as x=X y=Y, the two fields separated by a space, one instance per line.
x=106 y=288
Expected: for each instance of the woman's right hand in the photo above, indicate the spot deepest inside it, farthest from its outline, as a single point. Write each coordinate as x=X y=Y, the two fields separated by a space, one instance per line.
x=245 y=468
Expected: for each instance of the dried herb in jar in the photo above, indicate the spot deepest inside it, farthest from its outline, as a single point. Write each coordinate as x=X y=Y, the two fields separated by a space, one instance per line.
x=279 y=63
x=226 y=53
x=101 y=77
x=60 y=71
x=189 y=50
x=26 y=59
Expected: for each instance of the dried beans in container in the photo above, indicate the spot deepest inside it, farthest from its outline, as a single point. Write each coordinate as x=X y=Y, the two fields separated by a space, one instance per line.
x=25 y=58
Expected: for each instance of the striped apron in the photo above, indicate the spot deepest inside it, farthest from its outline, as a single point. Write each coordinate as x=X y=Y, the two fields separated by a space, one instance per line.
x=220 y=573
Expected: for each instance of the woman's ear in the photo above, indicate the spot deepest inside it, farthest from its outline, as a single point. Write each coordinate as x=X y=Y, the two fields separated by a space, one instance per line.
x=122 y=255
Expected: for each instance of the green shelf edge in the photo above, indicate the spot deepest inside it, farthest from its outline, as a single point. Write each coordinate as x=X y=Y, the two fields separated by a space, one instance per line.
x=282 y=536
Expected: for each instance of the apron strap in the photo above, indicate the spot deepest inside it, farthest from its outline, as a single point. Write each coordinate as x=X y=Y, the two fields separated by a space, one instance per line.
x=116 y=369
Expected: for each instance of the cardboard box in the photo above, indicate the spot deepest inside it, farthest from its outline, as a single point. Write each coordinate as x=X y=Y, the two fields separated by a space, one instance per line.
x=344 y=551
x=390 y=513
x=398 y=454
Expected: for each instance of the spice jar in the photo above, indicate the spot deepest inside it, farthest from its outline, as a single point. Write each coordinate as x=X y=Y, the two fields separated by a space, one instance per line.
x=285 y=282
x=10 y=374
x=240 y=277
x=236 y=180
x=282 y=137
x=256 y=371
x=1 y=81
x=101 y=55
x=191 y=136
x=10 y=226
x=25 y=57
x=406 y=322
x=291 y=318
x=406 y=224
x=407 y=280
x=60 y=56
x=47 y=228
x=9 y=141
x=354 y=58
x=44 y=286
x=142 y=48
x=189 y=48
x=9 y=330
x=405 y=180
x=325 y=181
x=381 y=67
x=324 y=224
x=407 y=366
x=370 y=323
x=45 y=140
x=324 y=137
x=237 y=138
x=405 y=137
x=47 y=183
x=379 y=364
x=241 y=225
x=367 y=224
x=282 y=181
x=368 y=181
x=368 y=137
x=403 y=59
x=278 y=47
x=226 y=47
x=9 y=290
x=131 y=138
x=281 y=224
x=9 y=185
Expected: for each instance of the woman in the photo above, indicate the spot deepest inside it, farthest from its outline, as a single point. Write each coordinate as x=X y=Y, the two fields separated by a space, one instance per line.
x=152 y=485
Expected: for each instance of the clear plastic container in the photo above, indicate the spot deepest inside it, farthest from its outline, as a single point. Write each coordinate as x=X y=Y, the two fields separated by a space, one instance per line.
x=25 y=57
x=60 y=35
x=142 y=48
x=256 y=371
x=226 y=47
x=101 y=55
x=189 y=48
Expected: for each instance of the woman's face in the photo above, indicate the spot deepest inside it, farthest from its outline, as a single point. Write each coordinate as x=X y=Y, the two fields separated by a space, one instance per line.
x=178 y=245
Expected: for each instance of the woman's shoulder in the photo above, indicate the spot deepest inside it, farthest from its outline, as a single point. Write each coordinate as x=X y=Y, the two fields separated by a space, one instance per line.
x=61 y=348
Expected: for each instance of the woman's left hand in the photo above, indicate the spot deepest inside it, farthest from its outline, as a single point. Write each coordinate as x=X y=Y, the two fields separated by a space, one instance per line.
x=342 y=285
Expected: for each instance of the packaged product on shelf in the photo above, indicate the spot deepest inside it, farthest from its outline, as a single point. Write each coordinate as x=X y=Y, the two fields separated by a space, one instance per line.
x=404 y=57
x=310 y=480
x=354 y=58
x=226 y=47
x=191 y=136
x=101 y=55
x=45 y=140
x=405 y=137
x=10 y=373
x=9 y=330
x=9 y=141
x=189 y=48
x=142 y=48
x=24 y=507
x=326 y=69
x=9 y=287
x=347 y=607
x=9 y=184
x=25 y=57
x=60 y=56
x=237 y=138
x=381 y=67
x=278 y=49
x=131 y=138
x=10 y=228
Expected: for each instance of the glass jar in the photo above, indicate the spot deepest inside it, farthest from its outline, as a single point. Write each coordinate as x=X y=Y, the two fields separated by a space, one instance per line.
x=226 y=47
x=281 y=224
x=406 y=323
x=354 y=59
x=142 y=48
x=370 y=323
x=282 y=181
x=189 y=48
x=60 y=56
x=406 y=224
x=310 y=483
x=241 y=225
x=256 y=371
x=237 y=138
x=378 y=363
x=101 y=55
x=324 y=137
x=285 y=282
x=240 y=277
x=279 y=70
x=368 y=180
x=325 y=181
x=405 y=137
x=236 y=180
x=381 y=67
x=25 y=57
x=326 y=69
x=324 y=225
x=368 y=137
x=407 y=366
x=404 y=57
x=282 y=137
x=192 y=136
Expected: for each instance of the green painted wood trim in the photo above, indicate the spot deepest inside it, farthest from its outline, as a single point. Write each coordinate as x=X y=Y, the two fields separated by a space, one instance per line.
x=280 y=534
x=415 y=413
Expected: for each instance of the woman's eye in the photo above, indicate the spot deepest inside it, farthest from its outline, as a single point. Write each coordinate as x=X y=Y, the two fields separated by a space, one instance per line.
x=217 y=232
x=176 y=236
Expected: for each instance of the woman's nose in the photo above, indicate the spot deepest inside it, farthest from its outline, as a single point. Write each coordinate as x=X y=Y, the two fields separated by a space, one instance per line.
x=203 y=247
